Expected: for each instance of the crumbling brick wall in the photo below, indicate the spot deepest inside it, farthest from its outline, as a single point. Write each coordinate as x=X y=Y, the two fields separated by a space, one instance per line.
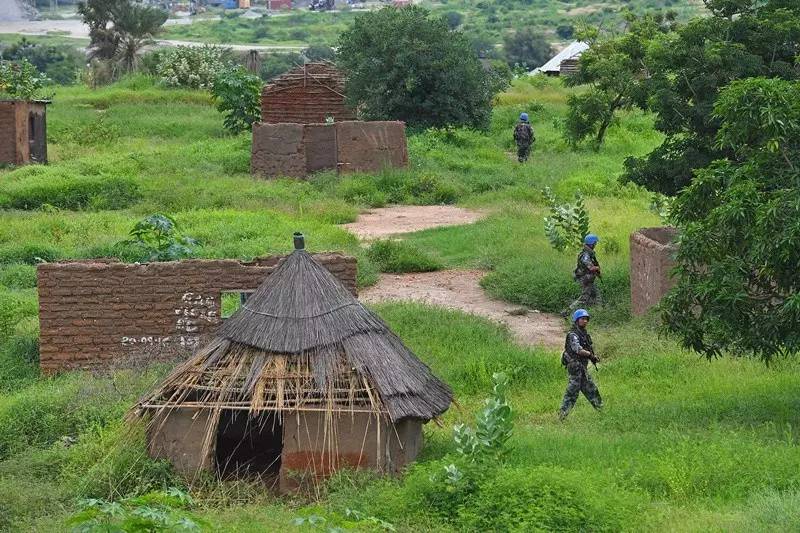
x=297 y=150
x=95 y=314
x=305 y=95
x=652 y=260
x=15 y=133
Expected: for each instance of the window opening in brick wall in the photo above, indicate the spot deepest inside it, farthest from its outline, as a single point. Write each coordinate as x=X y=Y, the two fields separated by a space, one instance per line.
x=232 y=301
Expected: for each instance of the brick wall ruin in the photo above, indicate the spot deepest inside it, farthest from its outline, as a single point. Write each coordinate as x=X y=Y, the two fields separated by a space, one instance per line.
x=296 y=150
x=23 y=135
x=652 y=260
x=308 y=94
x=96 y=314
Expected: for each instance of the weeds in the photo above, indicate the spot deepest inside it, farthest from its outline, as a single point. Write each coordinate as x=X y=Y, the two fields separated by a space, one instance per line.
x=400 y=256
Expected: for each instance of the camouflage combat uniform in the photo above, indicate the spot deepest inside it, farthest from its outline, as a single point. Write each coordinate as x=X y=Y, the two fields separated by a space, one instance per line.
x=577 y=366
x=583 y=275
x=523 y=136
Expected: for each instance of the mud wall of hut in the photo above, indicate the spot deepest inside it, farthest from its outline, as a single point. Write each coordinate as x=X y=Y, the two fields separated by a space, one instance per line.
x=99 y=314
x=297 y=150
x=652 y=260
x=312 y=450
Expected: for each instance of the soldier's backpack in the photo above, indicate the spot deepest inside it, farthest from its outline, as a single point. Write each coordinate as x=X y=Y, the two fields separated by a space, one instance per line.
x=523 y=133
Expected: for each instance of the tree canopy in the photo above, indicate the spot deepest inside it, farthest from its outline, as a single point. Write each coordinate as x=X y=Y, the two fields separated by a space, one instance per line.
x=527 y=48
x=738 y=287
x=688 y=68
x=404 y=64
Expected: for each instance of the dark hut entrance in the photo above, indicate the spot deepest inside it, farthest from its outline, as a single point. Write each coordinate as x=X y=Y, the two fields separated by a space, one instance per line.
x=249 y=445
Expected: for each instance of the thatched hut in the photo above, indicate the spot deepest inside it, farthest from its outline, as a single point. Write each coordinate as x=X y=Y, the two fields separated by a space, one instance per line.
x=301 y=381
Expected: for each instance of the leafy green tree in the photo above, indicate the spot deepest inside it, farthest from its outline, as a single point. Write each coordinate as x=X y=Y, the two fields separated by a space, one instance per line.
x=119 y=29
x=454 y=19
x=687 y=70
x=615 y=71
x=738 y=286
x=527 y=48
x=60 y=64
x=403 y=64
x=238 y=96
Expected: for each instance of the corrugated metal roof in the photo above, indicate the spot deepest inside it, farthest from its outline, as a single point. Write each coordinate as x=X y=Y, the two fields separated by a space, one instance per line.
x=572 y=51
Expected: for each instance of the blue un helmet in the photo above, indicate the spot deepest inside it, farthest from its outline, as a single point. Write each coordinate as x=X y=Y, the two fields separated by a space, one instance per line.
x=591 y=239
x=523 y=117
x=579 y=313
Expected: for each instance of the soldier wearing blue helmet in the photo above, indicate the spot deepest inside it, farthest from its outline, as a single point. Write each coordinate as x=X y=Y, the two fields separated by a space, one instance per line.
x=586 y=271
x=523 y=136
x=578 y=351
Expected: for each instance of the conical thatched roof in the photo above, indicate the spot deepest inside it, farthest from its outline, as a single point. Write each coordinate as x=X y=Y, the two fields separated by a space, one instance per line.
x=303 y=342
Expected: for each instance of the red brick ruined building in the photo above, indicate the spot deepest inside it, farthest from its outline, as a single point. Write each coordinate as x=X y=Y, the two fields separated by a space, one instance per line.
x=23 y=132
x=96 y=314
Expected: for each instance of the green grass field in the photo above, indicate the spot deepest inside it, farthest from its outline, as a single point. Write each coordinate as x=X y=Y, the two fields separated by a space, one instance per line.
x=684 y=444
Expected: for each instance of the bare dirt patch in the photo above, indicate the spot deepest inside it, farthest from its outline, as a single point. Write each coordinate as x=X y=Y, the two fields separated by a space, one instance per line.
x=386 y=221
x=460 y=289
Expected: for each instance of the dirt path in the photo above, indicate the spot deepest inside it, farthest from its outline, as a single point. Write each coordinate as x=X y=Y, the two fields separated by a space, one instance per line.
x=460 y=289
x=386 y=221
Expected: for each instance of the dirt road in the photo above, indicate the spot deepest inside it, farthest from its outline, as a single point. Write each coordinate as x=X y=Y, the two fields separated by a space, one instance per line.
x=452 y=289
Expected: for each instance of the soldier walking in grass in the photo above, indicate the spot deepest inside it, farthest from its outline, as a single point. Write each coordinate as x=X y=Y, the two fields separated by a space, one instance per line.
x=523 y=136
x=586 y=271
x=578 y=351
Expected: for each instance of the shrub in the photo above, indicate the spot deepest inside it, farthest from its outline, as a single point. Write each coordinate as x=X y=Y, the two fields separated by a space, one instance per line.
x=20 y=80
x=238 y=96
x=60 y=64
x=400 y=256
x=70 y=191
x=567 y=224
x=191 y=66
x=158 y=239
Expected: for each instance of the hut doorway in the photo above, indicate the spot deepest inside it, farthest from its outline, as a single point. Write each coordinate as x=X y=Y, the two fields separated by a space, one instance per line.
x=249 y=445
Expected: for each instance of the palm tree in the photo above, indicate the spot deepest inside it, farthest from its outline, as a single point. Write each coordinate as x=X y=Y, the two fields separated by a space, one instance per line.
x=119 y=30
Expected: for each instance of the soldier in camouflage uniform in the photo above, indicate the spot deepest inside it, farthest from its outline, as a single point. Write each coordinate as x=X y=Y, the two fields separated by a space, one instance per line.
x=587 y=270
x=578 y=351
x=523 y=136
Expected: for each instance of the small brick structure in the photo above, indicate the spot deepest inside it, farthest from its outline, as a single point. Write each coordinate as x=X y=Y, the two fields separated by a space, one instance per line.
x=308 y=94
x=652 y=260
x=23 y=132
x=296 y=150
x=96 y=314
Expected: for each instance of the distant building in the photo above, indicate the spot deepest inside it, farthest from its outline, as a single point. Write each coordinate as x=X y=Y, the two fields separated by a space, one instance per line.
x=565 y=62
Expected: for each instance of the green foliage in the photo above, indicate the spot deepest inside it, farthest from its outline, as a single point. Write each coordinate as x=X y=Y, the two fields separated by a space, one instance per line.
x=70 y=191
x=156 y=511
x=400 y=256
x=737 y=284
x=567 y=224
x=238 y=96
x=19 y=80
x=527 y=48
x=119 y=30
x=19 y=356
x=742 y=39
x=403 y=64
x=29 y=254
x=614 y=69
x=493 y=427
x=60 y=64
x=17 y=276
x=454 y=19
x=191 y=66
x=158 y=238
